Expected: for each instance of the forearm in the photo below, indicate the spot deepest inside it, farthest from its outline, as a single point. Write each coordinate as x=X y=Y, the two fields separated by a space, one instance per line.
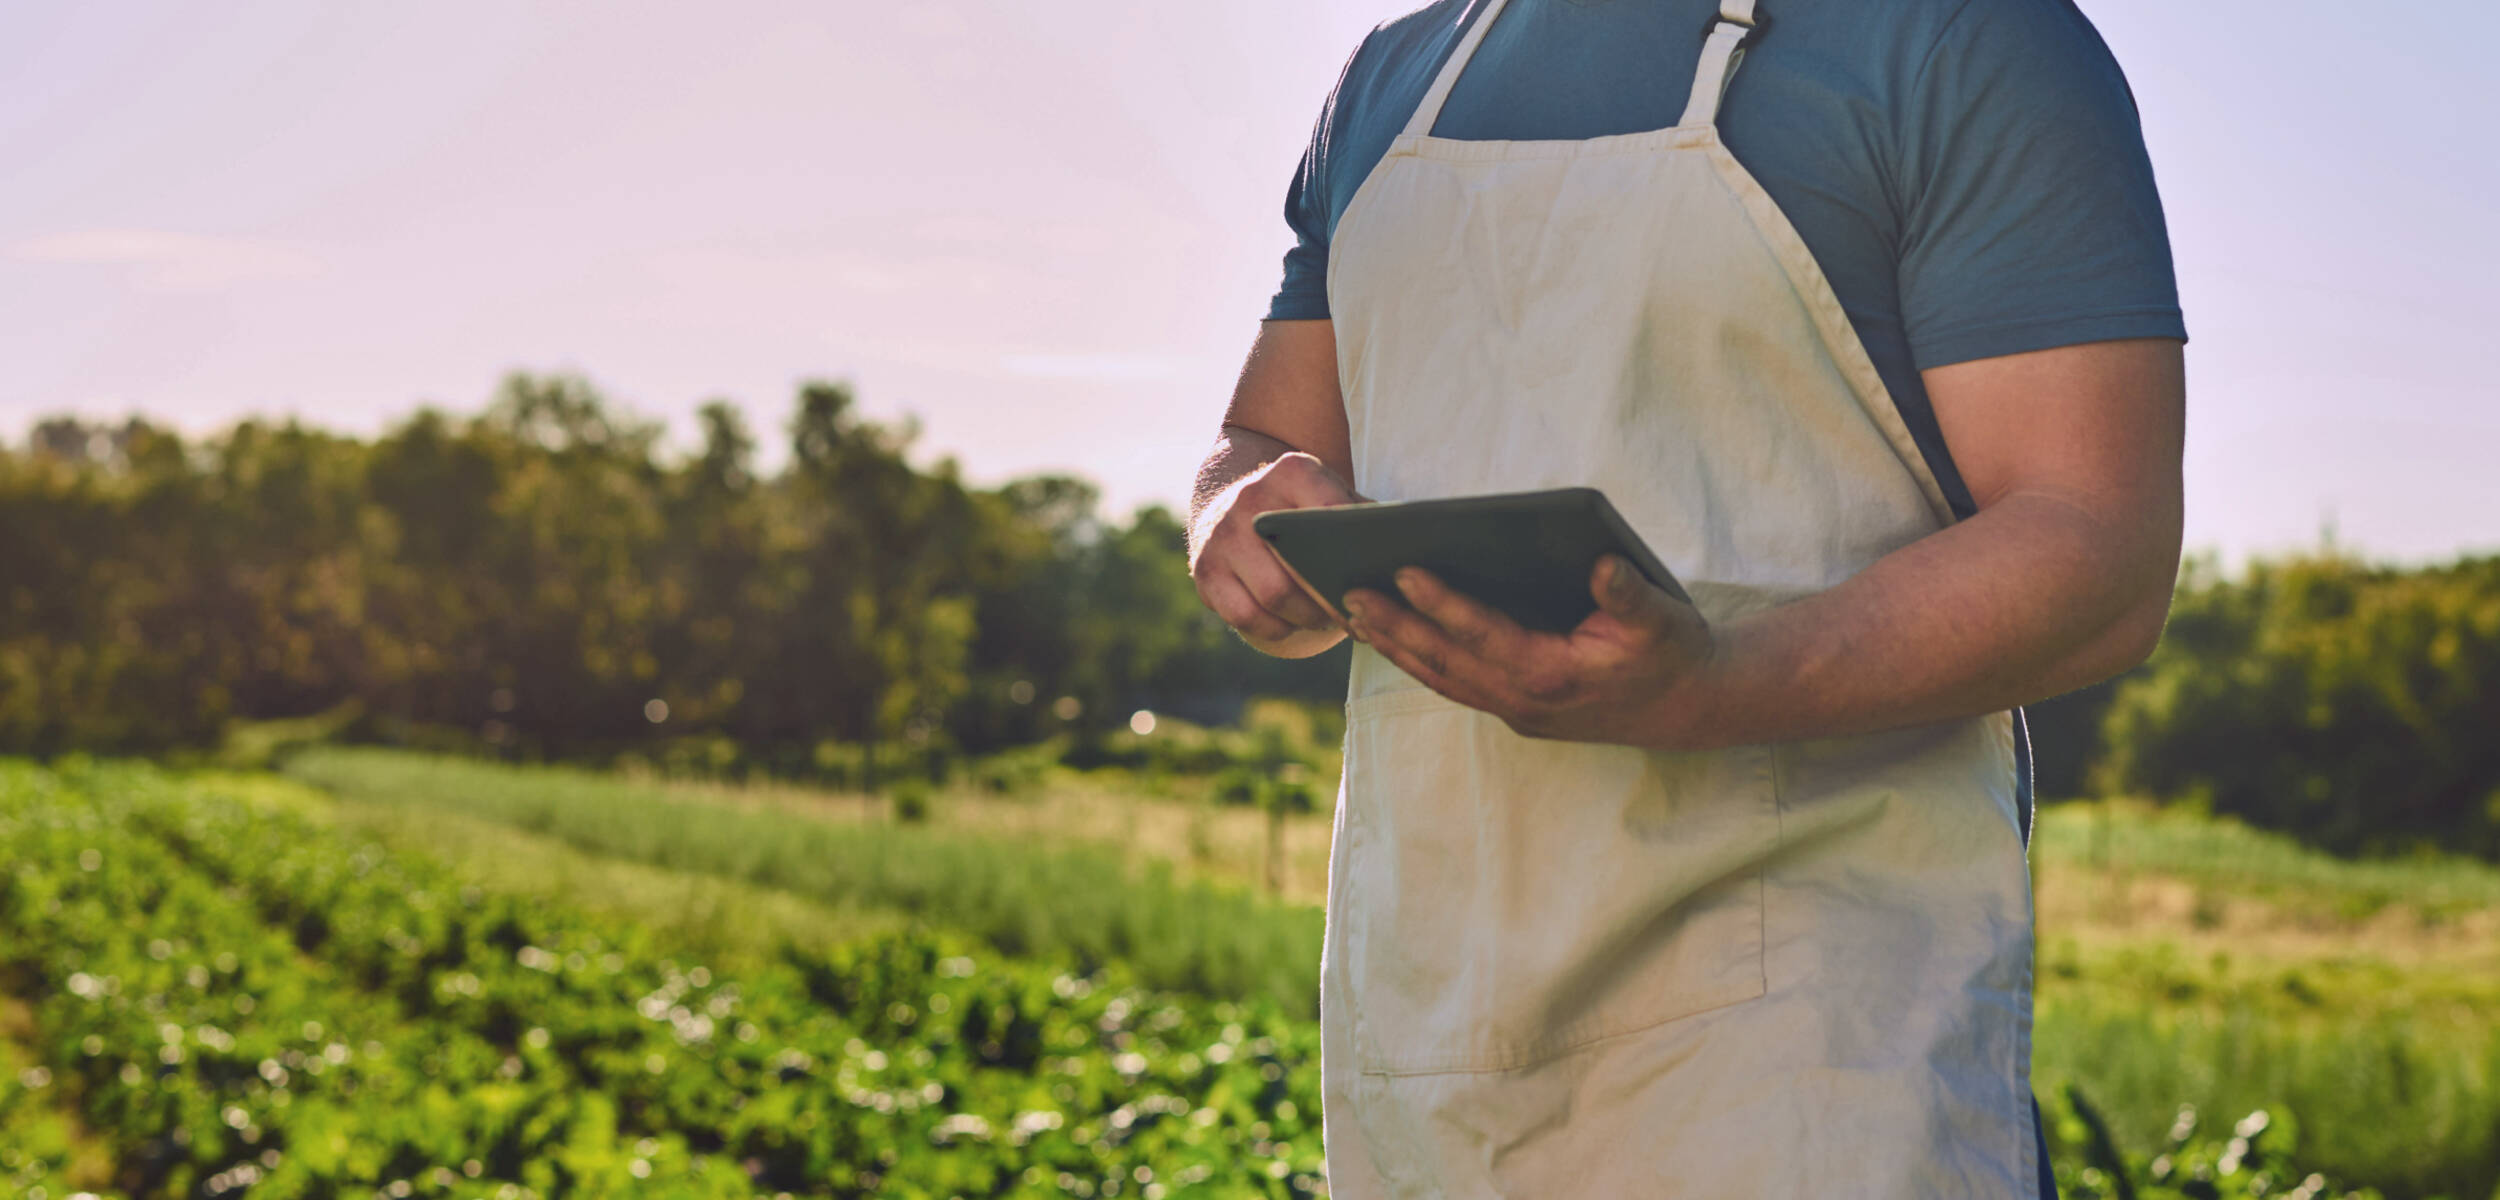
x=2033 y=597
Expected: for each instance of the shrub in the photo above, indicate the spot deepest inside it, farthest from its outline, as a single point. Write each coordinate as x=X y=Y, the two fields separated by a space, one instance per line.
x=2350 y=705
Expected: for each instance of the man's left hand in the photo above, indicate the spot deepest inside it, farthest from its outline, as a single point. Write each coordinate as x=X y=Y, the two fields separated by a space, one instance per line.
x=1633 y=673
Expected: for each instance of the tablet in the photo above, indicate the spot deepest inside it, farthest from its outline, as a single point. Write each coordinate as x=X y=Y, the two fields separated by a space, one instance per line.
x=1527 y=554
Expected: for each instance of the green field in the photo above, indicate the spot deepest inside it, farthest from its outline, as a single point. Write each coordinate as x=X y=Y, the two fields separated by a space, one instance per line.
x=386 y=969
x=231 y=994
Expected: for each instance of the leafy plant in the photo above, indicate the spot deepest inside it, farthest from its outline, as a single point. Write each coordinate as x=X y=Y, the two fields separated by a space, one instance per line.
x=257 y=1003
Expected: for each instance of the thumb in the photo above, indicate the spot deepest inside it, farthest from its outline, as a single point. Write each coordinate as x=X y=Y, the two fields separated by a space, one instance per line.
x=1622 y=594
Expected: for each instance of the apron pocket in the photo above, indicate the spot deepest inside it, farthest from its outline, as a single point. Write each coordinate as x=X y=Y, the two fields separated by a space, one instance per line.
x=1506 y=900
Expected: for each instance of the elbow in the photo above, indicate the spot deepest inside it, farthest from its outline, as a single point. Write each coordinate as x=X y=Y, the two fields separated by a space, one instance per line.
x=2140 y=635
x=2121 y=646
x=2132 y=638
x=2152 y=580
x=2121 y=640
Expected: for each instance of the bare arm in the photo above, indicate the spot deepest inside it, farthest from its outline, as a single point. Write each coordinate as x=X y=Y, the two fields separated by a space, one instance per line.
x=2063 y=578
x=1283 y=445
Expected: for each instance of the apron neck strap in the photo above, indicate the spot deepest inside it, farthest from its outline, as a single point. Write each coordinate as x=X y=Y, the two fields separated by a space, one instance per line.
x=1429 y=112
x=1731 y=31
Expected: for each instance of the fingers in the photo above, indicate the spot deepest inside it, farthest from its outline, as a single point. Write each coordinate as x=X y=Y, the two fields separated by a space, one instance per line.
x=1335 y=619
x=1260 y=597
x=1423 y=649
x=1640 y=625
x=1418 y=648
x=1295 y=480
x=1233 y=602
x=1582 y=687
x=1623 y=594
x=1267 y=580
x=1483 y=632
x=1238 y=574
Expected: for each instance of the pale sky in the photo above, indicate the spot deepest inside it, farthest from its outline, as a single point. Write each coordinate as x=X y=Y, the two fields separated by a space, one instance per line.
x=1049 y=230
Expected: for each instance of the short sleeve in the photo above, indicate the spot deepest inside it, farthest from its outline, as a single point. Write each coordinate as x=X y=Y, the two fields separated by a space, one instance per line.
x=2029 y=215
x=1303 y=293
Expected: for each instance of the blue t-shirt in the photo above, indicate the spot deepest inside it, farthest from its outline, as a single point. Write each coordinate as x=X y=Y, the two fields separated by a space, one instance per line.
x=1970 y=174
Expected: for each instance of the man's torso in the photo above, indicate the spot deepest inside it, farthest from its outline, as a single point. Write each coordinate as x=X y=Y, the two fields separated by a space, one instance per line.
x=1912 y=172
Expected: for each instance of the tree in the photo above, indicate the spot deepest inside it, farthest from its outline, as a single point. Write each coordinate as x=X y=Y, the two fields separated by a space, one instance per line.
x=2353 y=706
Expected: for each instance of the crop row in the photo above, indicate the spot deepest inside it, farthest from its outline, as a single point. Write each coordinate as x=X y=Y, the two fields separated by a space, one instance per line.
x=1061 y=902
x=250 y=999
x=235 y=998
x=896 y=1027
x=213 y=1058
x=2391 y=1097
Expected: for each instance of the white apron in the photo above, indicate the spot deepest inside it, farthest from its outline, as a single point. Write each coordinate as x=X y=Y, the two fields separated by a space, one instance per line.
x=1559 y=970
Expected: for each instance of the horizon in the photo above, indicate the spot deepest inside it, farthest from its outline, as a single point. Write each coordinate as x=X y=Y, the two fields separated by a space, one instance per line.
x=1049 y=236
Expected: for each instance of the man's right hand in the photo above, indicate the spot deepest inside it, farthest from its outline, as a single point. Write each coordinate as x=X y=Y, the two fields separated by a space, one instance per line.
x=1284 y=444
x=1241 y=578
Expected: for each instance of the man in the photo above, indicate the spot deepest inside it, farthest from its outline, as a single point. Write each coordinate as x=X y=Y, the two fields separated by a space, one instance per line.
x=1862 y=313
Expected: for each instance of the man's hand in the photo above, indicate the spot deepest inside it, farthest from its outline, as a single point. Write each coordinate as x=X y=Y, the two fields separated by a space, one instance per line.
x=1636 y=672
x=1283 y=445
x=1241 y=578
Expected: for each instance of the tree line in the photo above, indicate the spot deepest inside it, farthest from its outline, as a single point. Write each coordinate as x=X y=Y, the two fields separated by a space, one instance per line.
x=543 y=579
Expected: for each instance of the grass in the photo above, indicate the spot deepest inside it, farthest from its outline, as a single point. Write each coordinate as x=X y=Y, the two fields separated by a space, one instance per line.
x=1160 y=822
x=2225 y=856
x=1084 y=903
x=730 y=919
x=2393 y=1074
x=2189 y=960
